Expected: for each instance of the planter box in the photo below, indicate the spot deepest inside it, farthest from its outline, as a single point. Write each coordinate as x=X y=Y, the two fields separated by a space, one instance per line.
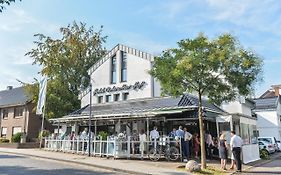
x=20 y=145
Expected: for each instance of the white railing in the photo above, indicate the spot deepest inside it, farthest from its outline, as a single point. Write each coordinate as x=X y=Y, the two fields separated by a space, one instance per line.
x=116 y=148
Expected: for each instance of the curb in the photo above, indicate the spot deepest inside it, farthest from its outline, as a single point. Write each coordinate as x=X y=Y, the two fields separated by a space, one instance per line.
x=256 y=165
x=80 y=163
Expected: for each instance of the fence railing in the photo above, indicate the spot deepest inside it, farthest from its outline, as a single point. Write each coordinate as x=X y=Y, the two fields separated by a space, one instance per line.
x=116 y=148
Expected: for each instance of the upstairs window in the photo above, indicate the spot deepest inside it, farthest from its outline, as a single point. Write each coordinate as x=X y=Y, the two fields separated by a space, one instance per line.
x=113 y=70
x=123 y=66
x=5 y=113
x=18 y=112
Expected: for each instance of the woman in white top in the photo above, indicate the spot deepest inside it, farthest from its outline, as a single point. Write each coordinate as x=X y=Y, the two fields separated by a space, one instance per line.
x=142 y=137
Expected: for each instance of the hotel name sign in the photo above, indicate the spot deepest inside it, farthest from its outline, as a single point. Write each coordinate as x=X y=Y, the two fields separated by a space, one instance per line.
x=138 y=85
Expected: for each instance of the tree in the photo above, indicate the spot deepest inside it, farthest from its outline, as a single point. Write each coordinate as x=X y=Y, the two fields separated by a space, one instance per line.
x=4 y=2
x=220 y=69
x=66 y=61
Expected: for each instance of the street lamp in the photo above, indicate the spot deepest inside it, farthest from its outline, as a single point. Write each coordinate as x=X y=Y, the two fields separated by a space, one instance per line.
x=90 y=118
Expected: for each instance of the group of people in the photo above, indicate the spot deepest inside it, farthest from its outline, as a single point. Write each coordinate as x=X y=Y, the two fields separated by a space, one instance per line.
x=191 y=143
x=235 y=148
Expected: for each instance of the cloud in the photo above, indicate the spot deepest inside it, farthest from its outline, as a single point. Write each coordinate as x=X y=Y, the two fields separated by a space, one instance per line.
x=15 y=20
x=262 y=16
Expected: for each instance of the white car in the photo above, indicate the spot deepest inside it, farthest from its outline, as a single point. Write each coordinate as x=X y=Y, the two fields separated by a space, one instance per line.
x=279 y=145
x=271 y=140
x=267 y=146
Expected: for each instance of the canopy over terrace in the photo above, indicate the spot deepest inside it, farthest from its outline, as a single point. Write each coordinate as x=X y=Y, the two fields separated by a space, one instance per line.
x=148 y=109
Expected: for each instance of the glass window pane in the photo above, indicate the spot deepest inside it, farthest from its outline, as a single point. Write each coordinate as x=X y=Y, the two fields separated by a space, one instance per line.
x=16 y=130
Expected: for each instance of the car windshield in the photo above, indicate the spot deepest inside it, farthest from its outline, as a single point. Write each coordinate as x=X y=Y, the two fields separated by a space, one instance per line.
x=266 y=140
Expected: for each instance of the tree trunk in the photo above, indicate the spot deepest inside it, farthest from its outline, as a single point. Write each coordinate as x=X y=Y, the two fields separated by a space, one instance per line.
x=202 y=133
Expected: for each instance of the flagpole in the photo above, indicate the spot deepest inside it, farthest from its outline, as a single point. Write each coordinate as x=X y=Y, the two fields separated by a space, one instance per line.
x=43 y=119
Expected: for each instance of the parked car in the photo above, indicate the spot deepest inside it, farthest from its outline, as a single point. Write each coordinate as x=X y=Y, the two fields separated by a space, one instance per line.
x=271 y=140
x=279 y=145
x=267 y=146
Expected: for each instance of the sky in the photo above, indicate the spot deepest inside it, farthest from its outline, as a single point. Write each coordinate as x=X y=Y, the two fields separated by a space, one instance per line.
x=147 y=25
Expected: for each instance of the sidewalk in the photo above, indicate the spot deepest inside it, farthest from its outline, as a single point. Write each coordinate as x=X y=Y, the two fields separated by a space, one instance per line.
x=123 y=165
x=120 y=165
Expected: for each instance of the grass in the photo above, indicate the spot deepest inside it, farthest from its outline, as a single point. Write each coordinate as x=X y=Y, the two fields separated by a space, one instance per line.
x=211 y=170
x=207 y=171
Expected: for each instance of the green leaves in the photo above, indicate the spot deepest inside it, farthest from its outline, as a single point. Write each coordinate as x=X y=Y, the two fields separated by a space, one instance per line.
x=66 y=61
x=3 y=2
x=220 y=69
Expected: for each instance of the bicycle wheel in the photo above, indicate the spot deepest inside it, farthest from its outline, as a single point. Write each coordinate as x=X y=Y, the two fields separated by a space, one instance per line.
x=154 y=154
x=173 y=153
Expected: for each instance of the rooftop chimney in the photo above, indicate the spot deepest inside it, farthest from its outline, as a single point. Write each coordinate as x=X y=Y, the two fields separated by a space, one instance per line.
x=9 y=87
x=276 y=89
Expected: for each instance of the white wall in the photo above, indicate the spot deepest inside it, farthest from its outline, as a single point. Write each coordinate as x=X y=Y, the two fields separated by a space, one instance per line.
x=137 y=71
x=268 y=124
x=232 y=107
x=244 y=107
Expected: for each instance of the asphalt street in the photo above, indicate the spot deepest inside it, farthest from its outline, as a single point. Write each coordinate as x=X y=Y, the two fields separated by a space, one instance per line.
x=273 y=167
x=20 y=165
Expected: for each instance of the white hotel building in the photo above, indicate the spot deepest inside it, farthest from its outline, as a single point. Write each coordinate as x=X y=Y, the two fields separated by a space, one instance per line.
x=126 y=97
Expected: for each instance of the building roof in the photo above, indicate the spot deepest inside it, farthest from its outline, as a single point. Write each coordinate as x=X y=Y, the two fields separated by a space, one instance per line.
x=123 y=48
x=268 y=94
x=138 y=106
x=13 y=97
x=266 y=103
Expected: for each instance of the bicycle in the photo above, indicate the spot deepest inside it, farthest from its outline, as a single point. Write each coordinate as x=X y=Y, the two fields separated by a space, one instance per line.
x=171 y=153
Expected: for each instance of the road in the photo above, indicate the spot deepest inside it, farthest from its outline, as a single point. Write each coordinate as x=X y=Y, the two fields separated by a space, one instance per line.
x=273 y=167
x=20 y=165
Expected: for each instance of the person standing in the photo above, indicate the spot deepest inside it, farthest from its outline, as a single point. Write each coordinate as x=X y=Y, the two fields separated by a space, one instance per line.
x=223 y=151
x=180 y=136
x=172 y=134
x=236 y=145
x=187 y=138
x=208 y=145
x=196 y=145
x=154 y=134
x=142 y=138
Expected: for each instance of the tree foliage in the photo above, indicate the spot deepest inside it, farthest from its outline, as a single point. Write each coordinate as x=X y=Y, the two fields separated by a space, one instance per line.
x=5 y=2
x=66 y=61
x=220 y=69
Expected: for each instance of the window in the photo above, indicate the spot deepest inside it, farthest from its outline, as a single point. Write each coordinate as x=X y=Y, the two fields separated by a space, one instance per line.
x=108 y=98
x=3 y=132
x=113 y=69
x=100 y=99
x=16 y=130
x=18 y=112
x=125 y=96
x=5 y=113
x=123 y=66
x=116 y=97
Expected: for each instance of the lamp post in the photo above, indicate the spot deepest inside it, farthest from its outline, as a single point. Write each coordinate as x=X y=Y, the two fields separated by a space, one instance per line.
x=90 y=118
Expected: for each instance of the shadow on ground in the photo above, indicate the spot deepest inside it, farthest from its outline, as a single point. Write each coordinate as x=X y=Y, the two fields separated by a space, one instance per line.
x=20 y=170
x=4 y=156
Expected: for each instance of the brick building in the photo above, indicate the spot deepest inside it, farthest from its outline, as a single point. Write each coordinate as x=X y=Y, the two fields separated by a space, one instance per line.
x=17 y=115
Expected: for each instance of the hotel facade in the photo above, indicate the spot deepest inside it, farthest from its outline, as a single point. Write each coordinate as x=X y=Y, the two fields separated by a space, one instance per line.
x=126 y=98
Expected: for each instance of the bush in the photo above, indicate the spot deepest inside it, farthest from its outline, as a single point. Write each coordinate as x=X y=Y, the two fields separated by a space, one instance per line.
x=44 y=133
x=4 y=140
x=103 y=135
x=16 y=138
x=264 y=154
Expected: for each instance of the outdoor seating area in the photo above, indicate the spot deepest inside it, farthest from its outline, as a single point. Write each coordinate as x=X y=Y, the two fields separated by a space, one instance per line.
x=115 y=147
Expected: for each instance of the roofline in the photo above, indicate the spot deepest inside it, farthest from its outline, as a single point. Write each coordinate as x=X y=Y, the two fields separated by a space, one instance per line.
x=124 y=48
x=13 y=105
